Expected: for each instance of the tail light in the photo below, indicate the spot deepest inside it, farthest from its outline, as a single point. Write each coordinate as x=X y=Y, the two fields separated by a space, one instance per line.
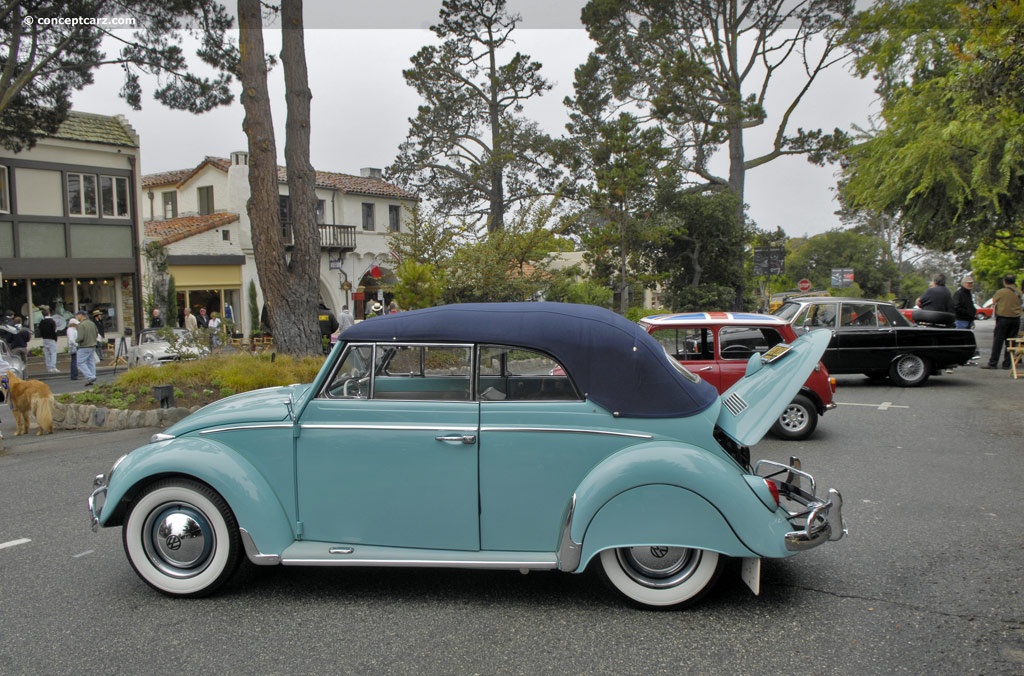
x=773 y=488
x=832 y=384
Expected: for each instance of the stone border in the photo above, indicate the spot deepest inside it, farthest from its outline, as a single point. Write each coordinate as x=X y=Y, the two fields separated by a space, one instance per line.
x=92 y=417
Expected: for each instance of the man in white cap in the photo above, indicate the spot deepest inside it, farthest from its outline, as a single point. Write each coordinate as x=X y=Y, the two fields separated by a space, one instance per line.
x=963 y=303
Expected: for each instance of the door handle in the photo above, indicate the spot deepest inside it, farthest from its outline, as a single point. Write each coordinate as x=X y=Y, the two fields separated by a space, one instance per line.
x=706 y=368
x=457 y=438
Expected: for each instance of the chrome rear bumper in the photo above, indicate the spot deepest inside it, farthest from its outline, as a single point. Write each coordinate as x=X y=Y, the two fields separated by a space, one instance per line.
x=96 y=500
x=817 y=520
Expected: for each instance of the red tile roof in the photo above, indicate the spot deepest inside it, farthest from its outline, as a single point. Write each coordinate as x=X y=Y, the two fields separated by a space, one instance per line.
x=346 y=183
x=177 y=229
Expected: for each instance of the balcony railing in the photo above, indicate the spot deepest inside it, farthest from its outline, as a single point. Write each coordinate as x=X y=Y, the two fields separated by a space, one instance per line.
x=338 y=237
x=331 y=237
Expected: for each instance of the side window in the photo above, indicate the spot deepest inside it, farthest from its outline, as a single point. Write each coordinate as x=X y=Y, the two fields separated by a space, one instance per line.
x=515 y=374
x=859 y=315
x=687 y=344
x=740 y=342
x=352 y=379
x=823 y=316
x=423 y=372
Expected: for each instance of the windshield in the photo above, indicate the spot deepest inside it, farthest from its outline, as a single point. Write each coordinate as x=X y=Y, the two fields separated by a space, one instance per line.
x=787 y=311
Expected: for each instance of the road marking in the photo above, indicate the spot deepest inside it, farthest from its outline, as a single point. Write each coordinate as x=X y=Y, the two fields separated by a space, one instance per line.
x=14 y=543
x=85 y=553
x=884 y=406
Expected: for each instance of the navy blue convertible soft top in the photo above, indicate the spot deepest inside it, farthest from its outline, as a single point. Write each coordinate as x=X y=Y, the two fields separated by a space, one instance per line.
x=611 y=359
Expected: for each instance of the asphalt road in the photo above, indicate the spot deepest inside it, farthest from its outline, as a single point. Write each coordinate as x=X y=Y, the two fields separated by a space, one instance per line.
x=928 y=581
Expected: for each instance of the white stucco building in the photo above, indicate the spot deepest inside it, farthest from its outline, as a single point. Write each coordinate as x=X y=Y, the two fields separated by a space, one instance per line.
x=199 y=217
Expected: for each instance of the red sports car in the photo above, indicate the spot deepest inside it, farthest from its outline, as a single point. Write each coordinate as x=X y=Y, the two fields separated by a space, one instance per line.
x=717 y=345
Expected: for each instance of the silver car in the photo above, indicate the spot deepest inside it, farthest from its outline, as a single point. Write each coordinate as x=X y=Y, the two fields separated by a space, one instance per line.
x=17 y=365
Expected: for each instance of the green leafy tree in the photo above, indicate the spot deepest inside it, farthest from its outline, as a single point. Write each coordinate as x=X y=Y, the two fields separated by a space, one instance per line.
x=992 y=262
x=949 y=160
x=419 y=284
x=815 y=257
x=700 y=236
x=625 y=163
x=469 y=150
x=428 y=237
x=44 y=58
x=701 y=70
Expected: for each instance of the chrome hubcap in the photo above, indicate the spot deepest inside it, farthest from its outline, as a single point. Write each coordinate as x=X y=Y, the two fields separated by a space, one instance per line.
x=179 y=540
x=794 y=418
x=659 y=567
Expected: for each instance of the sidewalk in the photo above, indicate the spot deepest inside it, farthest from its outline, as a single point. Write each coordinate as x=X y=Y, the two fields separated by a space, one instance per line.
x=36 y=368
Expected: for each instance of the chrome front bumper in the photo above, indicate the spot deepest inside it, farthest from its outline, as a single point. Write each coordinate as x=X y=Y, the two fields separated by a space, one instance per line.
x=818 y=520
x=96 y=500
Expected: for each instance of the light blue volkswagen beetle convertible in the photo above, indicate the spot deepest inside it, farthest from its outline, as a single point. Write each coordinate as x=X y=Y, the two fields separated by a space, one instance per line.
x=529 y=436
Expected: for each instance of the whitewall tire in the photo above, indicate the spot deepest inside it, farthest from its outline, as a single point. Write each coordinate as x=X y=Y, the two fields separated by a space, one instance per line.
x=661 y=577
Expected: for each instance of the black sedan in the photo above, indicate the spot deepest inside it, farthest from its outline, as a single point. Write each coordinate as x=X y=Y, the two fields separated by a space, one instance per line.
x=873 y=338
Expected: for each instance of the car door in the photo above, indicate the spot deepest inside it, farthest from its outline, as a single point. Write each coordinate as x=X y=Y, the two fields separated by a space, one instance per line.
x=735 y=345
x=538 y=439
x=865 y=338
x=387 y=453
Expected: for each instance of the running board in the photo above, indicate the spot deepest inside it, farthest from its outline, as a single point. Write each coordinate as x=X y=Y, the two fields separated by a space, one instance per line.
x=306 y=553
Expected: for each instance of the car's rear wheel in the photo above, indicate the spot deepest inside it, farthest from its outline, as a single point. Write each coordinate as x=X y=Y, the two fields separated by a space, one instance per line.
x=980 y=316
x=909 y=370
x=182 y=539
x=797 y=421
x=661 y=577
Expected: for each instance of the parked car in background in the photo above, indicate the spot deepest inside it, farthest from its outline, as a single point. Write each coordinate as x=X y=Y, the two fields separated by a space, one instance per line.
x=872 y=337
x=522 y=436
x=153 y=347
x=983 y=311
x=717 y=345
x=17 y=365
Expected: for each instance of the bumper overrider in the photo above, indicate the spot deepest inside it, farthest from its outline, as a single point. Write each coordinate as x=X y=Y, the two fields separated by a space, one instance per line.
x=99 y=495
x=817 y=520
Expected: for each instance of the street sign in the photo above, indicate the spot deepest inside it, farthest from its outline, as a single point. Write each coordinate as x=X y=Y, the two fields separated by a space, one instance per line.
x=804 y=285
x=842 y=277
x=769 y=260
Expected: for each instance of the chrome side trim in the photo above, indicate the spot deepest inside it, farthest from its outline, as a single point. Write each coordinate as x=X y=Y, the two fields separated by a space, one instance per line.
x=569 y=551
x=511 y=564
x=253 y=553
x=255 y=426
x=393 y=428
x=569 y=430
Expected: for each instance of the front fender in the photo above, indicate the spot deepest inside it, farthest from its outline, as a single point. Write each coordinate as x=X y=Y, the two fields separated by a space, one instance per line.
x=256 y=506
x=658 y=493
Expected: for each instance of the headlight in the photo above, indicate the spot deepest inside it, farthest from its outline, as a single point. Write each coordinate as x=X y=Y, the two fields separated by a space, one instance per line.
x=148 y=357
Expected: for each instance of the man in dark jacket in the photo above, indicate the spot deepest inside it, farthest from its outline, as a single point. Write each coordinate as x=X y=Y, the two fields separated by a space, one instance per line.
x=328 y=324
x=937 y=297
x=48 y=332
x=963 y=303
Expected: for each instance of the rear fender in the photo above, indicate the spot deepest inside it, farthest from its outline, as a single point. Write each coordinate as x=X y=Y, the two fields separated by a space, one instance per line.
x=658 y=493
x=256 y=506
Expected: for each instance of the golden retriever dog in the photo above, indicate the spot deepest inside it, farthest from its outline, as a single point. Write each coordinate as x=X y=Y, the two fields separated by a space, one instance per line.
x=29 y=396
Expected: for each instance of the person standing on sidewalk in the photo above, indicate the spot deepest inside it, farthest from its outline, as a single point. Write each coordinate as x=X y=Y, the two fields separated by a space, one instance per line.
x=87 y=348
x=48 y=332
x=73 y=346
x=1007 y=310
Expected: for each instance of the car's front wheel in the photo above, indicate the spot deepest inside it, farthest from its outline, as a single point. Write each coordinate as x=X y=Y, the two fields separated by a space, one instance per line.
x=661 y=577
x=797 y=421
x=181 y=538
x=981 y=316
x=909 y=370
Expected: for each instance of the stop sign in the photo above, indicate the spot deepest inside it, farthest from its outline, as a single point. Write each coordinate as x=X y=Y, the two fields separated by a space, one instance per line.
x=804 y=285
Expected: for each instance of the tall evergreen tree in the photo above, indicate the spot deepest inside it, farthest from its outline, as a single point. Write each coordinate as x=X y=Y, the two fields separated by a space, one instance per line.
x=469 y=150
